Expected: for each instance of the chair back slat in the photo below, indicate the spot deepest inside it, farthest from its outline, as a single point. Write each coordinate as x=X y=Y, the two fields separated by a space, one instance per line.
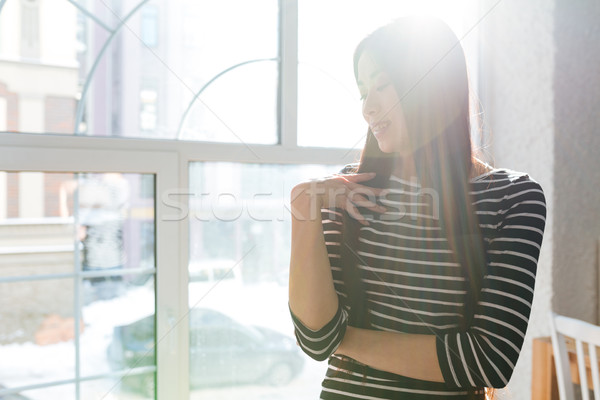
x=595 y=373
x=582 y=332
x=561 y=361
x=577 y=328
x=585 y=391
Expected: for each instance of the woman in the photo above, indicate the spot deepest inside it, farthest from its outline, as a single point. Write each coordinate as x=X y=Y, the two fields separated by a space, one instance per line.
x=415 y=282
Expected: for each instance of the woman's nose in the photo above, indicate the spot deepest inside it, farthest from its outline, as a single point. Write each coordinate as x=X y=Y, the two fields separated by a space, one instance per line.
x=370 y=106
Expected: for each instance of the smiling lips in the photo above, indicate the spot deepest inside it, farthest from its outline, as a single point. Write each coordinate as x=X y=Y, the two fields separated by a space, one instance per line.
x=379 y=127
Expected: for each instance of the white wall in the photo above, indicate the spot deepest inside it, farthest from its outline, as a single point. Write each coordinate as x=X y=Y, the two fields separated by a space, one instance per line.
x=540 y=96
x=577 y=158
x=516 y=78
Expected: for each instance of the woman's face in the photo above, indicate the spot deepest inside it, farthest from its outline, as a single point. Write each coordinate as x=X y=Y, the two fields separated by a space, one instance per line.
x=381 y=107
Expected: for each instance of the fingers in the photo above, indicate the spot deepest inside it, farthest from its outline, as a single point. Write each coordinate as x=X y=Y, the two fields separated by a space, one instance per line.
x=360 y=177
x=351 y=208
x=363 y=176
x=361 y=201
x=367 y=189
x=348 y=194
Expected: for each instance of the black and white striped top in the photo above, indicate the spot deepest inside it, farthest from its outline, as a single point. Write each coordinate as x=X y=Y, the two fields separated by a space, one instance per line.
x=412 y=287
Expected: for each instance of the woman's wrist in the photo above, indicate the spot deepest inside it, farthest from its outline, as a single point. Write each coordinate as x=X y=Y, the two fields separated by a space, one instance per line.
x=342 y=348
x=306 y=201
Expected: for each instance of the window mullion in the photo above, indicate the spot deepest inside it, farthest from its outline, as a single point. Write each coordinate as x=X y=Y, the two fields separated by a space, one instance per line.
x=172 y=334
x=288 y=77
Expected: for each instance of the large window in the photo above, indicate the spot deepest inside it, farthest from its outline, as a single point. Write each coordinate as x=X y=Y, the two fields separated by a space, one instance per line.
x=147 y=152
x=207 y=62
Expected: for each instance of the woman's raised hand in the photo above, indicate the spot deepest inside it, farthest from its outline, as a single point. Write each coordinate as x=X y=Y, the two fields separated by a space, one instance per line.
x=341 y=191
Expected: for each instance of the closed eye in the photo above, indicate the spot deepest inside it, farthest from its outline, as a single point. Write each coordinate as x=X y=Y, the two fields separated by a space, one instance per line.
x=379 y=88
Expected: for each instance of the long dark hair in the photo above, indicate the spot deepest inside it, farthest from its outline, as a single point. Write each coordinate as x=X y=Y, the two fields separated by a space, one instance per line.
x=427 y=65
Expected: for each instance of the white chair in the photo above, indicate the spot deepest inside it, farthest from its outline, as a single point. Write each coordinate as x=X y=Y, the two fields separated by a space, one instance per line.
x=582 y=332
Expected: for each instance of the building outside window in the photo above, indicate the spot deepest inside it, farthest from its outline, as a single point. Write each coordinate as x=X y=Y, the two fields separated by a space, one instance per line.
x=150 y=25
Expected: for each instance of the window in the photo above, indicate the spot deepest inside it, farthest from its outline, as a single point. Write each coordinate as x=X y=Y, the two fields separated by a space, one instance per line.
x=30 y=29
x=74 y=280
x=3 y=113
x=99 y=58
x=150 y=26
x=191 y=114
x=148 y=109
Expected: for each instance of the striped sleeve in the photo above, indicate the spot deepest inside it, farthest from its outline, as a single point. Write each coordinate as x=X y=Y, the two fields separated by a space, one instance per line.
x=485 y=355
x=320 y=344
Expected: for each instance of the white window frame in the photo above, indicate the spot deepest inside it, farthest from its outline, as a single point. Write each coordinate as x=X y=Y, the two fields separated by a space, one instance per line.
x=171 y=282
x=169 y=161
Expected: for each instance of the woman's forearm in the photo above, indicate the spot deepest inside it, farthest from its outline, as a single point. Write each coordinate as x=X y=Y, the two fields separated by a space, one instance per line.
x=404 y=354
x=312 y=296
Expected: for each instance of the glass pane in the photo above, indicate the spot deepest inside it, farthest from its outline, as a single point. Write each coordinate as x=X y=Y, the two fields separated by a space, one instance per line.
x=182 y=70
x=36 y=237
x=53 y=227
x=119 y=320
x=329 y=108
x=242 y=343
x=133 y=387
x=44 y=217
x=60 y=392
x=37 y=332
x=222 y=113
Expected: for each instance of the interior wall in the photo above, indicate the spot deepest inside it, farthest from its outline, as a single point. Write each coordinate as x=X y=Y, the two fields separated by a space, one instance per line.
x=516 y=80
x=577 y=158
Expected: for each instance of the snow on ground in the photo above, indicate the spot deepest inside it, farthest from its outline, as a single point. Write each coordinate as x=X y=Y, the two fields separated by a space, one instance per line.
x=262 y=304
